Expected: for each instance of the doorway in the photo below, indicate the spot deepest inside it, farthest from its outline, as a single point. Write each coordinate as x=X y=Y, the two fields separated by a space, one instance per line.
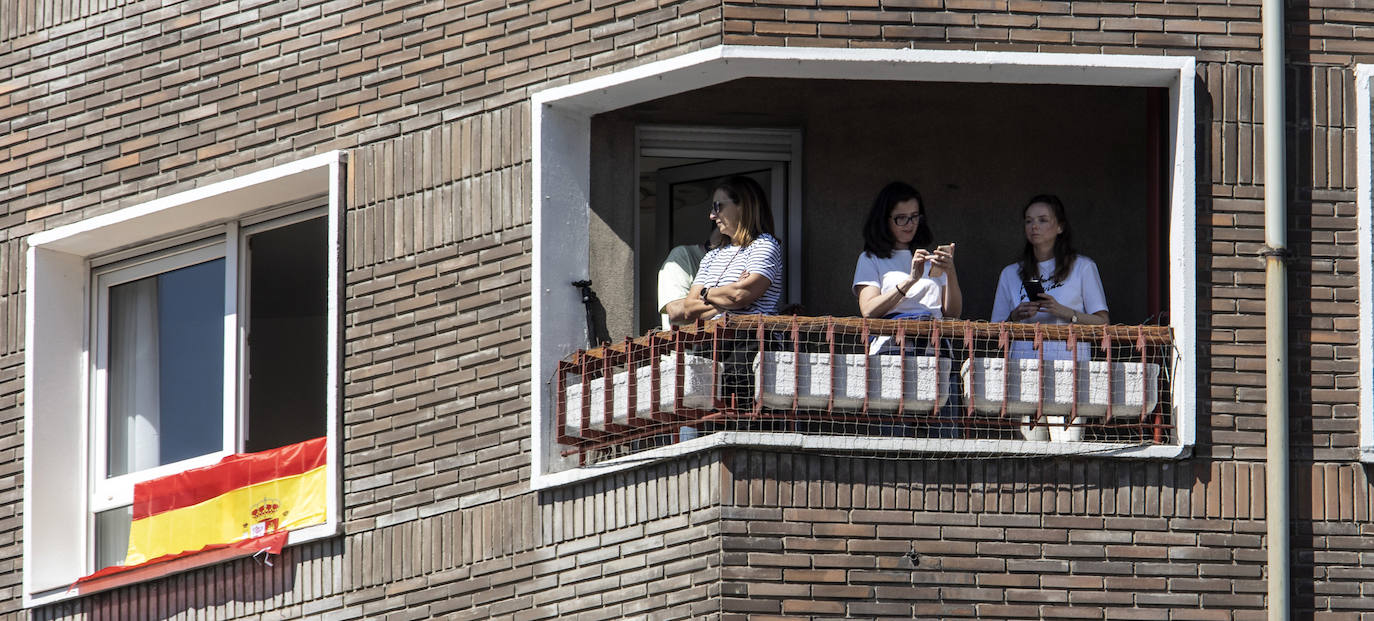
x=679 y=168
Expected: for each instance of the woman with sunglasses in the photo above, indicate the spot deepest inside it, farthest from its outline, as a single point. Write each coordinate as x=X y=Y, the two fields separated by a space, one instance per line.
x=741 y=275
x=744 y=273
x=896 y=277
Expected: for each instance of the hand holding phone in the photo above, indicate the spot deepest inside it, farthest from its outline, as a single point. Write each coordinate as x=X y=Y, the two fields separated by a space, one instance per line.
x=1034 y=289
x=942 y=259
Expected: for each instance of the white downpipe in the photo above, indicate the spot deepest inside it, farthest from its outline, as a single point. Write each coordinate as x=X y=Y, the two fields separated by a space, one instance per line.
x=1275 y=312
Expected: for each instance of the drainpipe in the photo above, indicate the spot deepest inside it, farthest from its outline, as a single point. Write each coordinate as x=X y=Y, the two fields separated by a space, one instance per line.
x=1275 y=312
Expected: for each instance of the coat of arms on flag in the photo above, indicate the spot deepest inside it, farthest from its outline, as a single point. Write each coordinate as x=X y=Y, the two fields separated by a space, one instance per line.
x=242 y=498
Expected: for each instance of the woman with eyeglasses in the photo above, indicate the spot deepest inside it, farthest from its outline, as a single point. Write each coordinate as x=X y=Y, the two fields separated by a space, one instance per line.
x=896 y=276
x=744 y=273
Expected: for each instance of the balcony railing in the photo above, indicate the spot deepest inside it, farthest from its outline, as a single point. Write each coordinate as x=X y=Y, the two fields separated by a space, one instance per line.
x=955 y=380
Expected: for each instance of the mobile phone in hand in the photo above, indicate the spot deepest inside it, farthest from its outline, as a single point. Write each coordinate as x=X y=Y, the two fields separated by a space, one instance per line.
x=1034 y=289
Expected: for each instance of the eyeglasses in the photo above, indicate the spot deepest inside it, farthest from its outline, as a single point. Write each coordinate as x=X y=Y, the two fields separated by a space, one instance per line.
x=904 y=220
x=716 y=206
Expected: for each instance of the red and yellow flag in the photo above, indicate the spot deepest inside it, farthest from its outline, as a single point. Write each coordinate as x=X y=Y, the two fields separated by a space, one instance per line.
x=244 y=496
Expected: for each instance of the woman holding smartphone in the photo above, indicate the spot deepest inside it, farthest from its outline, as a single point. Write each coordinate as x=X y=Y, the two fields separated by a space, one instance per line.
x=896 y=277
x=1051 y=283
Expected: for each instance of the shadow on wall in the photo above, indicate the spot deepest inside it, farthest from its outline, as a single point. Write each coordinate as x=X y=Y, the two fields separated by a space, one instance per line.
x=1303 y=181
x=1205 y=289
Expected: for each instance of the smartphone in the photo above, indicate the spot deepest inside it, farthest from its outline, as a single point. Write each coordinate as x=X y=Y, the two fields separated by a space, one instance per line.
x=1034 y=289
x=947 y=248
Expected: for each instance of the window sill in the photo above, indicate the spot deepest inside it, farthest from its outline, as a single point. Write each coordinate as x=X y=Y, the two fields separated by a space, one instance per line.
x=175 y=566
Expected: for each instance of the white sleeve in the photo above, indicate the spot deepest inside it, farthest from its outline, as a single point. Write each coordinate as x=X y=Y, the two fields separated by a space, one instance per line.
x=673 y=284
x=1094 y=299
x=1005 y=298
x=866 y=273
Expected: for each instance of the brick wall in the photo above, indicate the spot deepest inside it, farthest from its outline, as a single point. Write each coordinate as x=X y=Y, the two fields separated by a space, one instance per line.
x=637 y=543
x=1030 y=538
x=436 y=368
x=106 y=105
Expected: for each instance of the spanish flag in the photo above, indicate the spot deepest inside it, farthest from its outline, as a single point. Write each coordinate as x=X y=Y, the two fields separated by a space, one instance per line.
x=245 y=501
x=244 y=496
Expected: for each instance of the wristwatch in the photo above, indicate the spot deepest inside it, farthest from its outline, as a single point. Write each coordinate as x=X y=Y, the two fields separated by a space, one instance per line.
x=1074 y=319
x=704 y=291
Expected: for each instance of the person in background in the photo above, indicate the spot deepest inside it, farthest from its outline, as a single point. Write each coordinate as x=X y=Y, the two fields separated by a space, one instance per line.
x=1067 y=287
x=895 y=276
x=675 y=278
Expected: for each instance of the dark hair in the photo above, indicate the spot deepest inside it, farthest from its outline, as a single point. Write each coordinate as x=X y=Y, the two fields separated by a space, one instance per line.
x=878 y=239
x=1064 y=253
x=755 y=217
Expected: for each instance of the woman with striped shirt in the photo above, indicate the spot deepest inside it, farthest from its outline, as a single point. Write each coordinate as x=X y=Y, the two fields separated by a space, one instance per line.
x=744 y=274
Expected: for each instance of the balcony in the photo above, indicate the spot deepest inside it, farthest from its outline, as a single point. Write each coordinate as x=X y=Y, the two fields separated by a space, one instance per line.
x=975 y=387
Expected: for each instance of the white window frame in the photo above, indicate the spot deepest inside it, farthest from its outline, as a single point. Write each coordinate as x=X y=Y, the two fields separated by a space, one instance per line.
x=561 y=151
x=1364 y=219
x=113 y=492
x=58 y=355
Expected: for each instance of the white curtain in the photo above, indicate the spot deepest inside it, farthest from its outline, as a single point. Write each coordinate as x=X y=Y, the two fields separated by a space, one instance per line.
x=134 y=408
x=112 y=536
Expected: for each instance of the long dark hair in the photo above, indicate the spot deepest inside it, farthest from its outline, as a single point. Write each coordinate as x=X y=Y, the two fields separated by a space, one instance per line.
x=755 y=217
x=1064 y=252
x=878 y=240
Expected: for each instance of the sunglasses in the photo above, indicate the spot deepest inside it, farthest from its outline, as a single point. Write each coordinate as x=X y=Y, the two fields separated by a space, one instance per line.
x=904 y=220
x=716 y=206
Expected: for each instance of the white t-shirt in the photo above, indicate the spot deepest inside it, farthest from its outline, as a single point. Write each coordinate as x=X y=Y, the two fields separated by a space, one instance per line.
x=727 y=264
x=926 y=296
x=675 y=277
x=1081 y=290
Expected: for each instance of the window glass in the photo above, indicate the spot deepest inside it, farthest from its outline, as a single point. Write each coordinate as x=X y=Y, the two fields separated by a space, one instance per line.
x=112 y=536
x=166 y=366
x=287 y=330
x=166 y=360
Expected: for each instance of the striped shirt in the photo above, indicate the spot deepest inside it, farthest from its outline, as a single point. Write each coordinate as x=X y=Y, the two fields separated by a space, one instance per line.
x=727 y=264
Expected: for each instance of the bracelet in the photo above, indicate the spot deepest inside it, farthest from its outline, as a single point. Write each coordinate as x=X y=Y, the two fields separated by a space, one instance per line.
x=899 y=290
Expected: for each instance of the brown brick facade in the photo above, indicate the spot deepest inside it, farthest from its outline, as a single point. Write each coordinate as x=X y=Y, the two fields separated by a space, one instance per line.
x=112 y=104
